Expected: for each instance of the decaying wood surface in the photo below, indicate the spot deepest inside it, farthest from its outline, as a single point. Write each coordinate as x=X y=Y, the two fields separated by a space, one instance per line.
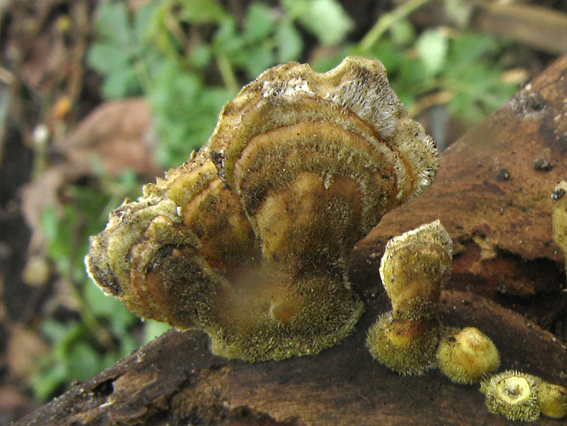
x=493 y=196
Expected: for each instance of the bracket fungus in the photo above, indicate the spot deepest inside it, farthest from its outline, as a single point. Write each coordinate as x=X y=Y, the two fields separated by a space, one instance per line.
x=411 y=339
x=249 y=240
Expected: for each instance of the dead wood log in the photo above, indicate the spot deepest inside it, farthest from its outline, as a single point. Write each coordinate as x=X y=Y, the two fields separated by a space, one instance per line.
x=536 y=26
x=493 y=196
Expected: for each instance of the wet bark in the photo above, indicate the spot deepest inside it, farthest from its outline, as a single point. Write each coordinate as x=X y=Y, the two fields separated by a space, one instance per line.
x=493 y=196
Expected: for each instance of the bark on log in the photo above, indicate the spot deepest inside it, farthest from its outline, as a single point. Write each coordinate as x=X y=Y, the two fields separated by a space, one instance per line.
x=493 y=196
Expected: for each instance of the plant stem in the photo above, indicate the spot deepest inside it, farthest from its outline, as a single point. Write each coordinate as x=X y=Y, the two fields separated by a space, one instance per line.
x=387 y=20
x=227 y=73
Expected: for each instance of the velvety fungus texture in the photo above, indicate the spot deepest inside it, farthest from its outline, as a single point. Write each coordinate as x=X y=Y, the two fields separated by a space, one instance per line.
x=249 y=240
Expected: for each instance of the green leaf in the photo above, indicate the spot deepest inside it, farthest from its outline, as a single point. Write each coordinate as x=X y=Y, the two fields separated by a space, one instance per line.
x=468 y=48
x=201 y=11
x=58 y=232
x=154 y=329
x=289 y=42
x=121 y=83
x=185 y=112
x=100 y=304
x=327 y=20
x=158 y=34
x=83 y=361
x=257 y=60
x=411 y=75
x=295 y=8
x=45 y=384
x=227 y=40
x=107 y=58
x=128 y=343
x=390 y=55
x=432 y=47
x=259 y=23
x=201 y=55
x=402 y=32
x=121 y=319
x=49 y=222
x=113 y=23
x=144 y=21
x=54 y=330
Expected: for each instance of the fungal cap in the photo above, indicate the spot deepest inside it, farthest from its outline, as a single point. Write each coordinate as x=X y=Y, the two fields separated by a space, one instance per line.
x=405 y=346
x=553 y=400
x=512 y=394
x=415 y=267
x=349 y=114
x=466 y=355
x=250 y=239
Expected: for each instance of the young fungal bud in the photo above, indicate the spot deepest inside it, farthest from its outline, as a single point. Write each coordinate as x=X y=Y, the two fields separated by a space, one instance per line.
x=466 y=355
x=414 y=268
x=512 y=394
x=520 y=396
x=553 y=400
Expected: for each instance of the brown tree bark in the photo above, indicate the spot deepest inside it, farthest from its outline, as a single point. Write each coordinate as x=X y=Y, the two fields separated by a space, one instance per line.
x=493 y=196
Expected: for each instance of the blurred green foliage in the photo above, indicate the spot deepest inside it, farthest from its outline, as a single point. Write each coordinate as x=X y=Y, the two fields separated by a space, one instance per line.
x=188 y=58
x=103 y=331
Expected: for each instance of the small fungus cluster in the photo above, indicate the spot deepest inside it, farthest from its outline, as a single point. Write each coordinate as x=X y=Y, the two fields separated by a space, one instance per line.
x=250 y=239
x=411 y=339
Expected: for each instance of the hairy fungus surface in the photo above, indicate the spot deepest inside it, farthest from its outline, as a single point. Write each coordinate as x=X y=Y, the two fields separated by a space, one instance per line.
x=411 y=339
x=249 y=240
x=466 y=355
x=520 y=396
x=512 y=394
x=414 y=268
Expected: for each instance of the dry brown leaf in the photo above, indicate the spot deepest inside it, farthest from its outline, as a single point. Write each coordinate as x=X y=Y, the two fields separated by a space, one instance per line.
x=119 y=135
x=23 y=351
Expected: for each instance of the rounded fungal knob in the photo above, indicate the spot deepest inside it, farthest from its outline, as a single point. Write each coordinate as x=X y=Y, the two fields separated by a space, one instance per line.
x=467 y=355
x=512 y=394
x=553 y=400
x=405 y=346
